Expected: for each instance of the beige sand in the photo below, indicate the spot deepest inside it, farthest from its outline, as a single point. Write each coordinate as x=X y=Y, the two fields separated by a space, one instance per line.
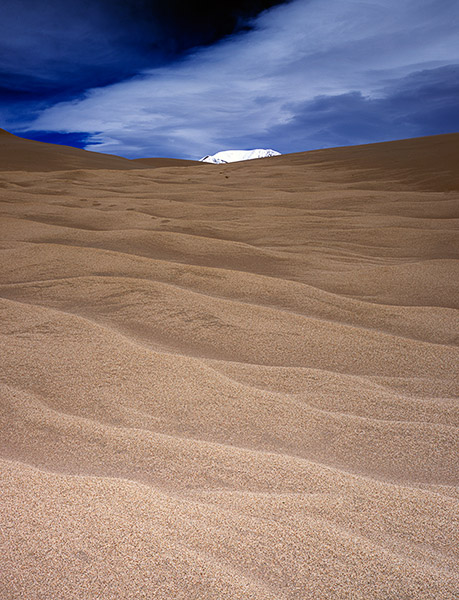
x=229 y=381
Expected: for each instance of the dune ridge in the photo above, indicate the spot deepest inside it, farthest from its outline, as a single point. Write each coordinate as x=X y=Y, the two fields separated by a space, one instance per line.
x=229 y=381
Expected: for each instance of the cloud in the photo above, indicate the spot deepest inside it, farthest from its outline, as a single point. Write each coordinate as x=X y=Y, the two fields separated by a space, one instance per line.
x=422 y=103
x=54 y=46
x=309 y=74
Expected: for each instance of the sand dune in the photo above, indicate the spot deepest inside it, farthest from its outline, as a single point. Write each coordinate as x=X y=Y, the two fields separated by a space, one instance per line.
x=27 y=155
x=229 y=381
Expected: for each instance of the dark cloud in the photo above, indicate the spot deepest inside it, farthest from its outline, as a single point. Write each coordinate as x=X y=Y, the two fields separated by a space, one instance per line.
x=422 y=103
x=427 y=100
x=62 y=48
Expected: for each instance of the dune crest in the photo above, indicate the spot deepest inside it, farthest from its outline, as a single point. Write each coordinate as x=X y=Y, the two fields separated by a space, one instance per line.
x=235 y=381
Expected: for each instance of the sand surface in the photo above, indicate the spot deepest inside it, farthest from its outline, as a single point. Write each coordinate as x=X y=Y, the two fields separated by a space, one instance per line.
x=229 y=382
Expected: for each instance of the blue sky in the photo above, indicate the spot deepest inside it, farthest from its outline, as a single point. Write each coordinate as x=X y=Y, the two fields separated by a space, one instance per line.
x=132 y=79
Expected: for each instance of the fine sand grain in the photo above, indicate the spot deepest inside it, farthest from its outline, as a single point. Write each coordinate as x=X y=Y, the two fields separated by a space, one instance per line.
x=229 y=382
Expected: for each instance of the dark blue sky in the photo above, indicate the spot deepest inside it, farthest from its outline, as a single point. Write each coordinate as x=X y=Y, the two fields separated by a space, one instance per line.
x=184 y=79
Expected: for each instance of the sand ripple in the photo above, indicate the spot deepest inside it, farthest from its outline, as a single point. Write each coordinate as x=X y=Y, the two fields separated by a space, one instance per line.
x=229 y=382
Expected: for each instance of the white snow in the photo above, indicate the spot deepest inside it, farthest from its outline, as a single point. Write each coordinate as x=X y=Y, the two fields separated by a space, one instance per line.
x=228 y=156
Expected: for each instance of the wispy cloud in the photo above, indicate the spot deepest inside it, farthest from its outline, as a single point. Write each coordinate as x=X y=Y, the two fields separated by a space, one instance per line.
x=311 y=74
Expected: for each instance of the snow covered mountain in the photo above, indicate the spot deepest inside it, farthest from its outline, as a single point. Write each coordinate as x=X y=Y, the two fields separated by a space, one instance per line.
x=228 y=156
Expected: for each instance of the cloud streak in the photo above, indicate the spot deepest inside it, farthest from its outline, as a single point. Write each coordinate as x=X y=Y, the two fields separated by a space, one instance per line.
x=310 y=74
x=54 y=46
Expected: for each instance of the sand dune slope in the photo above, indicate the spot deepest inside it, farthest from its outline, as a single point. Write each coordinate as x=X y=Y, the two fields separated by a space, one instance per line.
x=229 y=381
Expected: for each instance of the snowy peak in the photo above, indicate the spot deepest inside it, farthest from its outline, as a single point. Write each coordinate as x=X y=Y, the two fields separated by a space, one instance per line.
x=229 y=156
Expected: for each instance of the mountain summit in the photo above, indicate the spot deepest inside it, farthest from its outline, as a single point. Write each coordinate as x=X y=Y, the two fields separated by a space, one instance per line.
x=228 y=156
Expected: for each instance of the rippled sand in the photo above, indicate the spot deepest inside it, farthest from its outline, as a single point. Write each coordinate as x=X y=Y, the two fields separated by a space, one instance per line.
x=229 y=382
